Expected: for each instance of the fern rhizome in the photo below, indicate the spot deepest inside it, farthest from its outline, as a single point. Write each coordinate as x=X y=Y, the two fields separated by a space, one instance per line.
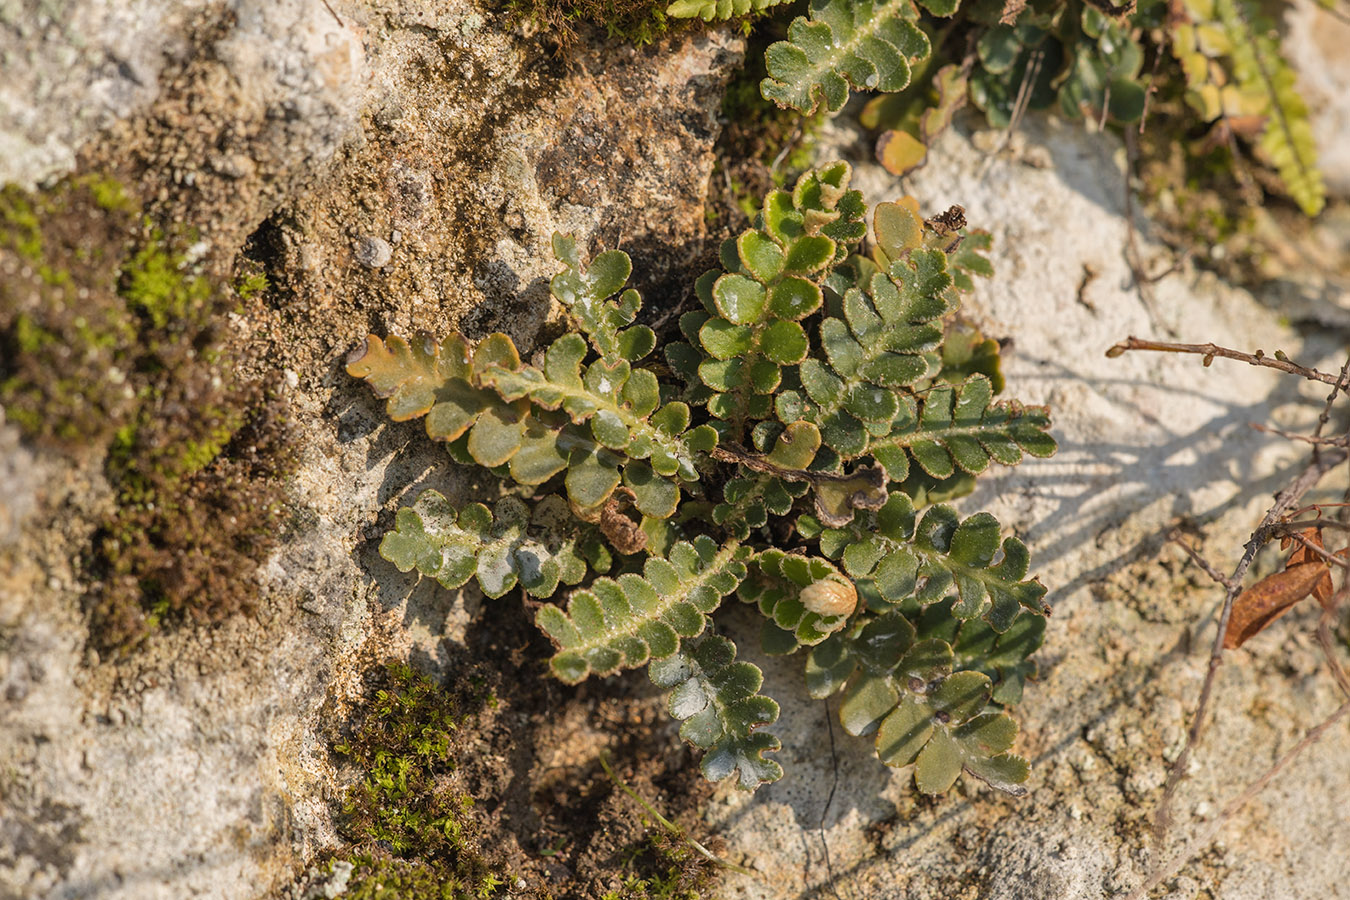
x=786 y=452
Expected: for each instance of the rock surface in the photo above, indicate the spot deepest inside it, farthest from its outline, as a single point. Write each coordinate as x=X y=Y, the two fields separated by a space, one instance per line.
x=428 y=131
x=401 y=165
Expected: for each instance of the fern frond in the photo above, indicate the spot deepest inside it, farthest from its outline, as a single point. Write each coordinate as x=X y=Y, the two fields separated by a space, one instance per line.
x=749 y=500
x=621 y=623
x=502 y=548
x=884 y=342
x=925 y=558
x=585 y=292
x=718 y=701
x=1234 y=69
x=922 y=712
x=750 y=330
x=441 y=382
x=869 y=45
x=958 y=428
x=1005 y=658
x=717 y=10
x=621 y=406
x=1287 y=140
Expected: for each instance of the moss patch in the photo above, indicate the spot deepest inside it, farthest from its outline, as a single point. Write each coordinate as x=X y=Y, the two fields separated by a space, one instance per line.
x=638 y=22
x=471 y=789
x=423 y=840
x=111 y=351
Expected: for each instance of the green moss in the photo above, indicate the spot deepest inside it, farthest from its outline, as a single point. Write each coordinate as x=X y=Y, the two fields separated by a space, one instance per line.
x=156 y=284
x=107 y=192
x=251 y=285
x=402 y=745
x=638 y=22
x=21 y=231
x=109 y=349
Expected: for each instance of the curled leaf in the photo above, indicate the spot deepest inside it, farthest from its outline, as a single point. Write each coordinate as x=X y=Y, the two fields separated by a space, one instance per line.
x=1268 y=599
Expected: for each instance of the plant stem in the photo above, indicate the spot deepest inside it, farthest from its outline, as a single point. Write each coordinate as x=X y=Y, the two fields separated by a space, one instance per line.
x=1209 y=351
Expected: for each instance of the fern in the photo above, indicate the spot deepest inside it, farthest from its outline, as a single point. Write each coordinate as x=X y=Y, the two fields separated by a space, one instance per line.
x=717 y=10
x=793 y=618
x=905 y=556
x=868 y=45
x=624 y=622
x=501 y=548
x=922 y=712
x=441 y=382
x=1259 y=69
x=750 y=329
x=586 y=292
x=719 y=703
x=771 y=460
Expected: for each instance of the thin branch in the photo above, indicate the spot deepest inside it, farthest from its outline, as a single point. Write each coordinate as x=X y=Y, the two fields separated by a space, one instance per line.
x=1297 y=527
x=1209 y=351
x=1328 y=645
x=1020 y=102
x=788 y=147
x=333 y=14
x=1176 y=538
x=1330 y=558
x=1206 y=835
x=1331 y=398
x=1317 y=508
x=1316 y=441
x=1152 y=86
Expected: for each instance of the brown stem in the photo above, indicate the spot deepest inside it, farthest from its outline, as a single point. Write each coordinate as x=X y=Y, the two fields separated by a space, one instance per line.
x=1313 y=439
x=1209 y=351
x=1176 y=538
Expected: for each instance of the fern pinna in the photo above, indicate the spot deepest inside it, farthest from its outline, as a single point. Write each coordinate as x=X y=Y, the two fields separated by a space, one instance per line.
x=787 y=453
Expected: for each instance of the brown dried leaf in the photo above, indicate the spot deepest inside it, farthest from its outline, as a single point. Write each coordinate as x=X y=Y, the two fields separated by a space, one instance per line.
x=1270 y=598
x=622 y=527
x=1304 y=555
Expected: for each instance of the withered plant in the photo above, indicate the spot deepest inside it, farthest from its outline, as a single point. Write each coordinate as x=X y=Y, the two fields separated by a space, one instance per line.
x=1307 y=572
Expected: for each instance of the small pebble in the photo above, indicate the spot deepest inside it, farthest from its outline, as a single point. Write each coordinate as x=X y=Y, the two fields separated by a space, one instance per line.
x=292 y=379
x=373 y=252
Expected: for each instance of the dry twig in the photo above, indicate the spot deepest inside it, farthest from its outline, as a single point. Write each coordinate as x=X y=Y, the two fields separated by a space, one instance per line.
x=1210 y=351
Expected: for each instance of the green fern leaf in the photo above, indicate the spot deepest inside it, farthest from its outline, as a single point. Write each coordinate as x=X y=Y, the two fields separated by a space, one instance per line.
x=584 y=293
x=1287 y=140
x=621 y=407
x=1005 y=658
x=958 y=428
x=1230 y=54
x=869 y=45
x=905 y=691
x=717 y=10
x=749 y=500
x=906 y=557
x=751 y=328
x=778 y=585
x=622 y=623
x=441 y=382
x=884 y=342
x=502 y=548
x=719 y=702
